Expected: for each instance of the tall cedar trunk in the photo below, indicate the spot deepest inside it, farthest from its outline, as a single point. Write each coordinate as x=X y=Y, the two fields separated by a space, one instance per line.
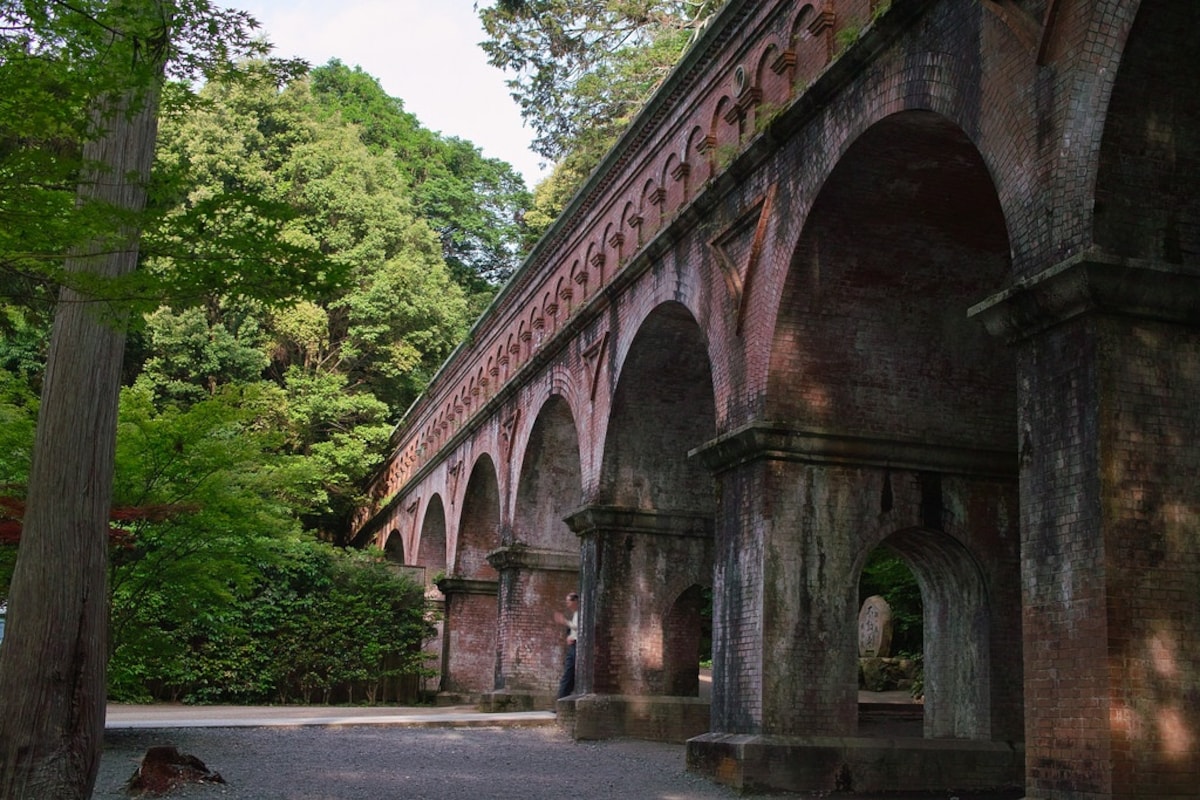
x=53 y=659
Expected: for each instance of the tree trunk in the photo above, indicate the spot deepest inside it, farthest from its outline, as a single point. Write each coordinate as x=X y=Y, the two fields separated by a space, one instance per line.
x=54 y=656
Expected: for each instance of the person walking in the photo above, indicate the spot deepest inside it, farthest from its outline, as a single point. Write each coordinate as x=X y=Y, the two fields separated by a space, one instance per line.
x=566 y=684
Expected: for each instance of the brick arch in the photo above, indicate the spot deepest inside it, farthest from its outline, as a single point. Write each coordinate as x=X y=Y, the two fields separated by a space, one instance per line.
x=650 y=209
x=674 y=179
x=773 y=73
x=698 y=153
x=550 y=483
x=683 y=630
x=811 y=40
x=663 y=406
x=958 y=634
x=550 y=318
x=726 y=131
x=1146 y=201
x=917 y=172
x=431 y=541
x=479 y=524
x=393 y=547
x=579 y=281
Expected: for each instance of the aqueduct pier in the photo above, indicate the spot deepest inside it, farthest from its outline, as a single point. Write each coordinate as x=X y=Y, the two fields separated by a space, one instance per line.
x=919 y=275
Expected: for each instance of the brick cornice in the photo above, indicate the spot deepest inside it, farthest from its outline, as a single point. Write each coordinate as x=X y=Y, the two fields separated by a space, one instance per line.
x=595 y=519
x=532 y=558
x=1092 y=282
x=760 y=441
x=449 y=586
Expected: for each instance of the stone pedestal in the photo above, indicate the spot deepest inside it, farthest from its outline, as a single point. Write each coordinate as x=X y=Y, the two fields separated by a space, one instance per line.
x=643 y=576
x=468 y=637
x=533 y=583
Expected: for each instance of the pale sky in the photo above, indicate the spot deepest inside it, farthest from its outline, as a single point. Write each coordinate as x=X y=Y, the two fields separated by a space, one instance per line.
x=424 y=52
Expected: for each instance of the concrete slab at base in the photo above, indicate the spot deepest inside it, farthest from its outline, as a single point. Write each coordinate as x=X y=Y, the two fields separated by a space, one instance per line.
x=609 y=716
x=851 y=764
x=504 y=700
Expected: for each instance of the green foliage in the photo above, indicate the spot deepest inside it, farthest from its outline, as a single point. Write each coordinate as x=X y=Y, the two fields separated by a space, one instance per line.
x=56 y=61
x=191 y=357
x=474 y=204
x=583 y=70
x=319 y=624
x=349 y=356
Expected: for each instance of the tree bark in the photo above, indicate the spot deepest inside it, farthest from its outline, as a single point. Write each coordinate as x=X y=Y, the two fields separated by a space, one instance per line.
x=53 y=660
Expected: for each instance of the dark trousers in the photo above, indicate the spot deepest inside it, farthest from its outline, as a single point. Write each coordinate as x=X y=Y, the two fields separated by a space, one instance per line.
x=566 y=684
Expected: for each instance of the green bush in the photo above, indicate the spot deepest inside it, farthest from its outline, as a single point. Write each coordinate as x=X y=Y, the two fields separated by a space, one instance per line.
x=319 y=625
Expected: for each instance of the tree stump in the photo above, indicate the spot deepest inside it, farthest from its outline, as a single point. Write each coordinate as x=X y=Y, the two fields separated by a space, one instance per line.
x=164 y=769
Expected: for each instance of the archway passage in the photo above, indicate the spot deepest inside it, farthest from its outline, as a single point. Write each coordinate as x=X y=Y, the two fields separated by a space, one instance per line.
x=431 y=546
x=551 y=485
x=887 y=409
x=957 y=637
x=901 y=409
x=649 y=541
x=662 y=408
x=470 y=590
x=393 y=548
x=890 y=648
x=431 y=556
x=539 y=566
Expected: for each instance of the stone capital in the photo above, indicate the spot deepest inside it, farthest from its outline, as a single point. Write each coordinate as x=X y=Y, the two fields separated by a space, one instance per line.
x=518 y=556
x=597 y=519
x=1092 y=282
x=449 y=586
x=781 y=442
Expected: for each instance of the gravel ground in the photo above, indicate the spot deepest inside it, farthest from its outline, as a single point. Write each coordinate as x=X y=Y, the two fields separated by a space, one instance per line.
x=388 y=763
x=379 y=762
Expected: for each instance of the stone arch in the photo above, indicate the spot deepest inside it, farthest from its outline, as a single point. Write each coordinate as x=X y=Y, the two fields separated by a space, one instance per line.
x=469 y=647
x=663 y=407
x=1146 y=203
x=674 y=182
x=957 y=632
x=651 y=205
x=550 y=484
x=650 y=533
x=812 y=51
x=479 y=525
x=540 y=564
x=431 y=542
x=684 y=629
x=393 y=547
x=579 y=277
x=772 y=76
x=909 y=225
x=726 y=132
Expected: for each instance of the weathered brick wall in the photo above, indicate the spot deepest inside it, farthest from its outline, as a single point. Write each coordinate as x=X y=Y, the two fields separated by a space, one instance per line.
x=469 y=634
x=1146 y=202
x=1148 y=433
x=531 y=645
x=643 y=570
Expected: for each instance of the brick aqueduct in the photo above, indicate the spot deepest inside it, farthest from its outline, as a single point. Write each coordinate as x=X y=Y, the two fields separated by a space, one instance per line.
x=920 y=275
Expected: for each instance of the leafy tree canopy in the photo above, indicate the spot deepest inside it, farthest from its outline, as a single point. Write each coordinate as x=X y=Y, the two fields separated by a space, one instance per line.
x=475 y=204
x=583 y=70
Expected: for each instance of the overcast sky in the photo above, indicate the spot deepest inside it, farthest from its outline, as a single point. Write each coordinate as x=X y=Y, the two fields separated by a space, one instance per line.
x=425 y=52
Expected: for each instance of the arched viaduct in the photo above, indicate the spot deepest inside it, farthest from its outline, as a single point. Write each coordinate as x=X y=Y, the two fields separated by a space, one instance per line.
x=918 y=275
